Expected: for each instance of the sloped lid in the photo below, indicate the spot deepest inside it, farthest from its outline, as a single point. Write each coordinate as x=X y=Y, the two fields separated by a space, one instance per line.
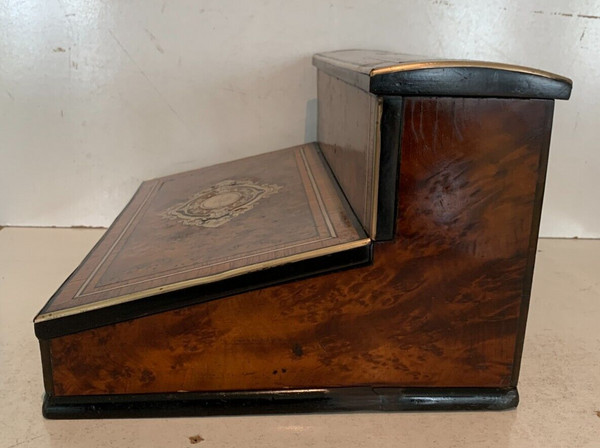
x=209 y=233
x=386 y=73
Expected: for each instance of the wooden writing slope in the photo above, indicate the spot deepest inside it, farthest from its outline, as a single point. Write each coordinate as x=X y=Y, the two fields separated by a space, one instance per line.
x=386 y=267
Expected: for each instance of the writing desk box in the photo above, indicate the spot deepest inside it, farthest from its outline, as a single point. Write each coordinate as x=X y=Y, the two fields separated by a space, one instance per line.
x=386 y=267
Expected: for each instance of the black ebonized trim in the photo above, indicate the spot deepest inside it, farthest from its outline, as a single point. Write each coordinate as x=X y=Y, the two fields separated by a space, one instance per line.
x=495 y=80
x=87 y=320
x=532 y=251
x=280 y=402
x=469 y=82
x=390 y=135
x=47 y=366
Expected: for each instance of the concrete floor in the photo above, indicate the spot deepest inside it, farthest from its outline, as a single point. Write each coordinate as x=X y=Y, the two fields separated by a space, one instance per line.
x=559 y=384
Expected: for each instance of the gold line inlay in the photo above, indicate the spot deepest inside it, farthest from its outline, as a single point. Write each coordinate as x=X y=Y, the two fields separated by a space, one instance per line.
x=376 y=167
x=112 y=247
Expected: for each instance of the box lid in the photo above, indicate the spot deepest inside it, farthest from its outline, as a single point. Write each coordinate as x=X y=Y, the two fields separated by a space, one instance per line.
x=209 y=233
x=386 y=73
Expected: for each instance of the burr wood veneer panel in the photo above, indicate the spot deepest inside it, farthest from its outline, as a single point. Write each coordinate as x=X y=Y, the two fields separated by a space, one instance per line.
x=442 y=305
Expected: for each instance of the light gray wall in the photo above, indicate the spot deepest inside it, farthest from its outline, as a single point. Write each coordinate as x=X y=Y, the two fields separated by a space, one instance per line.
x=97 y=95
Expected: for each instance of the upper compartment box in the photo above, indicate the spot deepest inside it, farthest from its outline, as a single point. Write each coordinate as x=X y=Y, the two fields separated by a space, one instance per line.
x=360 y=94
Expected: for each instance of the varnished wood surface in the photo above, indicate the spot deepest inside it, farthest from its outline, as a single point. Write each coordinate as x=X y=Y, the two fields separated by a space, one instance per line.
x=440 y=306
x=348 y=133
x=146 y=253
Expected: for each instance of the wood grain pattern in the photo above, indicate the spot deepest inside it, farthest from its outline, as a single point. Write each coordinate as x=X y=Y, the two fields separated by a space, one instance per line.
x=145 y=253
x=348 y=129
x=440 y=306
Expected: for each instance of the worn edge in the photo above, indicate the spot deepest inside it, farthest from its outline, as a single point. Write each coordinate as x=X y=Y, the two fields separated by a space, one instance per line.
x=343 y=399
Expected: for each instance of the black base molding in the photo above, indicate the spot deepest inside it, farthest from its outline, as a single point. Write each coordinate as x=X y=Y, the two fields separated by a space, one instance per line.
x=280 y=402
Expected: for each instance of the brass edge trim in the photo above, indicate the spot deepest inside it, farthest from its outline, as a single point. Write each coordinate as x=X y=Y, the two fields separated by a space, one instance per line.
x=199 y=281
x=283 y=391
x=408 y=66
x=315 y=187
x=256 y=254
x=376 y=167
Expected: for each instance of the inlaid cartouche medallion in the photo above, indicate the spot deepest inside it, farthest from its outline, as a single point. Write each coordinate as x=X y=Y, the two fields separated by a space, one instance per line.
x=220 y=203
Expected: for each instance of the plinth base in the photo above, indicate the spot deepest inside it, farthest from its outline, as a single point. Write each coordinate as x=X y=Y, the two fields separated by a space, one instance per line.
x=280 y=402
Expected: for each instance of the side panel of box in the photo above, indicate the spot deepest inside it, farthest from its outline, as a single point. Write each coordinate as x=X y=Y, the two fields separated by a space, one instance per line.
x=443 y=304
